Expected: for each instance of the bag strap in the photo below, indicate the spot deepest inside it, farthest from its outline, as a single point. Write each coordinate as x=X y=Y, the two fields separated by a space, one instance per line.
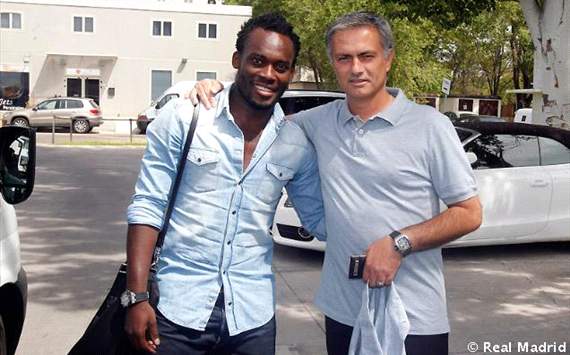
x=176 y=185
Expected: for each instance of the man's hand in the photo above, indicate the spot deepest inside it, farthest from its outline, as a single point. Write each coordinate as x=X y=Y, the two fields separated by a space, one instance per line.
x=382 y=263
x=140 y=326
x=205 y=90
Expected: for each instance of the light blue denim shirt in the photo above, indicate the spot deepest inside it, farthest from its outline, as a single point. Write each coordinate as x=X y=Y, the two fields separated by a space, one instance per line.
x=219 y=232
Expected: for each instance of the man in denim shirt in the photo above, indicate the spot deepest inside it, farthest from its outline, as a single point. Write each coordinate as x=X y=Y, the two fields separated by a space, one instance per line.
x=214 y=273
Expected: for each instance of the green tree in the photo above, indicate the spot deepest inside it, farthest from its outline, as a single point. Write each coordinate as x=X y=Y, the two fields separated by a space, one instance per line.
x=418 y=27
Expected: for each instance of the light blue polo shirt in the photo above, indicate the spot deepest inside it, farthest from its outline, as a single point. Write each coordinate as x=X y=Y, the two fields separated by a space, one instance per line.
x=383 y=175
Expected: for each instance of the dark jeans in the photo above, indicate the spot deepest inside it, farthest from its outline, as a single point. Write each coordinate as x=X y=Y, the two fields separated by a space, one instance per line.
x=338 y=341
x=215 y=339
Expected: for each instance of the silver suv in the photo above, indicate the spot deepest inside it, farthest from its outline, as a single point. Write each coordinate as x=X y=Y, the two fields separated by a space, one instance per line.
x=84 y=114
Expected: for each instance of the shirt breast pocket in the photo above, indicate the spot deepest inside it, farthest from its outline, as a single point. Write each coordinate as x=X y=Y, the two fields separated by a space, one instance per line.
x=274 y=179
x=202 y=172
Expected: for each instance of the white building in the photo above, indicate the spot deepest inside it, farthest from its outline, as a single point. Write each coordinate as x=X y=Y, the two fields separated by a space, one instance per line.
x=123 y=53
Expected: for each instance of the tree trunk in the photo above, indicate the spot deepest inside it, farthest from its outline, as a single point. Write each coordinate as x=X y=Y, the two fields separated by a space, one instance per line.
x=549 y=25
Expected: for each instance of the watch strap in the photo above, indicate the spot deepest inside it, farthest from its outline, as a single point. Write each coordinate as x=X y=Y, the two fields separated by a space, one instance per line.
x=395 y=234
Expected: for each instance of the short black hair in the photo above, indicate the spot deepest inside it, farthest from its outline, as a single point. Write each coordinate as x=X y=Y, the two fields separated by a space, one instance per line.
x=273 y=22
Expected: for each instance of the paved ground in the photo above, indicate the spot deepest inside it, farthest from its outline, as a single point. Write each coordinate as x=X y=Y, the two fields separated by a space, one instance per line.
x=73 y=230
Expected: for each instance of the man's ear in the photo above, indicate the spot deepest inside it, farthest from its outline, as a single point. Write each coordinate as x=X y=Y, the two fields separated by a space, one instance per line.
x=390 y=60
x=236 y=60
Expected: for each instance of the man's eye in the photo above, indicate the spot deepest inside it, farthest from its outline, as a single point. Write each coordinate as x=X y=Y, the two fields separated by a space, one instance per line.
x=281 y=67
x=343 y=59
x=256 y=61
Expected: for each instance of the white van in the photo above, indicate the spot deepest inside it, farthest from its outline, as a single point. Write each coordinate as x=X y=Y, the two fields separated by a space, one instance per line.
x=17 y=166
x=177 y=90
x=523 y=115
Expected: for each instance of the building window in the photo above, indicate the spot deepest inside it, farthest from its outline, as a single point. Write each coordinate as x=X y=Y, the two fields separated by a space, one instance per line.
x=160 y=81
x=207 y=30
x=10 y=20
x=162 y=28
x=83 y=24
x=201 y=75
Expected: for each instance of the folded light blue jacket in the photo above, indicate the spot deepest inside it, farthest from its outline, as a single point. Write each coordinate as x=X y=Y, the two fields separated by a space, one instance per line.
x=382 y=324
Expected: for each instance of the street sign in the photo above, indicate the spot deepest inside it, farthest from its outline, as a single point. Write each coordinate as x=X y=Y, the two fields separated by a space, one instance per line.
x=445 y=86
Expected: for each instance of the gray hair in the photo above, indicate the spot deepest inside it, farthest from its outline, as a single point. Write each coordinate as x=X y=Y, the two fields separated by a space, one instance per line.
x=358 y=19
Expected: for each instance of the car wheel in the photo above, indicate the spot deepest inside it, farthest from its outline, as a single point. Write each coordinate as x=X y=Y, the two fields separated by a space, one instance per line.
x=81 y=125
x=3 y=346
x=20 y=122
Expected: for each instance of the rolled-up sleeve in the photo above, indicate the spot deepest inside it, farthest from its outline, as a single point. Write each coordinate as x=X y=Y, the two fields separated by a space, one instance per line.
x=165 y=137
x=304 y=190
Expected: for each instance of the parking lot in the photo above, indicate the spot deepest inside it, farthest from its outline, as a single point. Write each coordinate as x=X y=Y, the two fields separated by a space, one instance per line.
x=73 y=237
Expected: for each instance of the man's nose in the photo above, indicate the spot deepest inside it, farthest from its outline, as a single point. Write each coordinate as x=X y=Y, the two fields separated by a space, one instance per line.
x=357 y=66
x=268 y=72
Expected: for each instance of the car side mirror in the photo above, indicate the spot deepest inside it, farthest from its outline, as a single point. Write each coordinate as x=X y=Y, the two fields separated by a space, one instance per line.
x=17 y=163
x=35 y=108
x=472 y=157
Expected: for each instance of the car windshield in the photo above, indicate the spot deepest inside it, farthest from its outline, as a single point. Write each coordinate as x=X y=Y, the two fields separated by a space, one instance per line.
x=463 y=134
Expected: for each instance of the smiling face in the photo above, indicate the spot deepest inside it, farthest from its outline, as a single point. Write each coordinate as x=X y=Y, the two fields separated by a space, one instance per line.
x=265 y=68
x=359 y=62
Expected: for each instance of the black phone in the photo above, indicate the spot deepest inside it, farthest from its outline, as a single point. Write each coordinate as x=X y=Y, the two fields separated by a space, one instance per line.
x=356 y=266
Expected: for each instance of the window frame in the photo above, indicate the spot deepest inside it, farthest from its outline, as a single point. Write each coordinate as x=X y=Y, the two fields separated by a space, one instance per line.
x=205 y=71
x=207 y=23
x=82 y=17
x=161 y=21
x=11 y=20
x=155 y=100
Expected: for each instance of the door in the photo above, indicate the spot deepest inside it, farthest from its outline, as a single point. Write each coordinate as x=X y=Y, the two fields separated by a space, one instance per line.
x=74 y=87
x=42 y=115
x=514 y=191
x=92 y=89
x=83 y=87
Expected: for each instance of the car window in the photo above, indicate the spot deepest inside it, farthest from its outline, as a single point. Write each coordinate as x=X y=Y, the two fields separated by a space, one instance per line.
x=553 y=152
x=47 y=105
x=93 y=103
x=463 y=134
x=291 y=105
x=164 y=100
x=74 y=104
x=504 y=151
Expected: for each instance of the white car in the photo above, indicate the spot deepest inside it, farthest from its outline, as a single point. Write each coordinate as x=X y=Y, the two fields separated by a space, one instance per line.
x=523 y=177
x=17 y=165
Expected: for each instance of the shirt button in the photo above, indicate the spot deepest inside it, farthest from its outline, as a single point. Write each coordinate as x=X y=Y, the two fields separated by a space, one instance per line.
x=361 y=131
x=229 y=303
x=199 y=160
x=229 y=242
x=233 y=212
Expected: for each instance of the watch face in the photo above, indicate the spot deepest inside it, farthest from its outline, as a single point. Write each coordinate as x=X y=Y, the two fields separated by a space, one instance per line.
x=403 y=243
x=125 y=299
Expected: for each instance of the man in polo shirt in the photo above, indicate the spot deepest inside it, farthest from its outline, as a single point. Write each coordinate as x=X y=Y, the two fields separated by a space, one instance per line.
x=385 y=162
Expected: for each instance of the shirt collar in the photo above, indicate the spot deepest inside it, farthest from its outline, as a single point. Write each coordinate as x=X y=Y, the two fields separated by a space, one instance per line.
x=392 y=114
x=223 y=109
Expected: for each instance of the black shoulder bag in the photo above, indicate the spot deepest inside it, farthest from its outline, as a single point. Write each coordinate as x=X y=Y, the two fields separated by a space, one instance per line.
x=105 y=334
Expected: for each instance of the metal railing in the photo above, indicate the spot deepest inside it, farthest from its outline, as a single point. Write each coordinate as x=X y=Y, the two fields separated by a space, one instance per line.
x=73 y=119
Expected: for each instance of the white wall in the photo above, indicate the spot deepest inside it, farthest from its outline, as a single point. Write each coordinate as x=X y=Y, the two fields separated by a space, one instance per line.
x=122 y=47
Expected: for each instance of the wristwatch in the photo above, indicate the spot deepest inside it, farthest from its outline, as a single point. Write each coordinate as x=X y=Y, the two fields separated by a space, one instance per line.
x=402 y=243
x=128 y=298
